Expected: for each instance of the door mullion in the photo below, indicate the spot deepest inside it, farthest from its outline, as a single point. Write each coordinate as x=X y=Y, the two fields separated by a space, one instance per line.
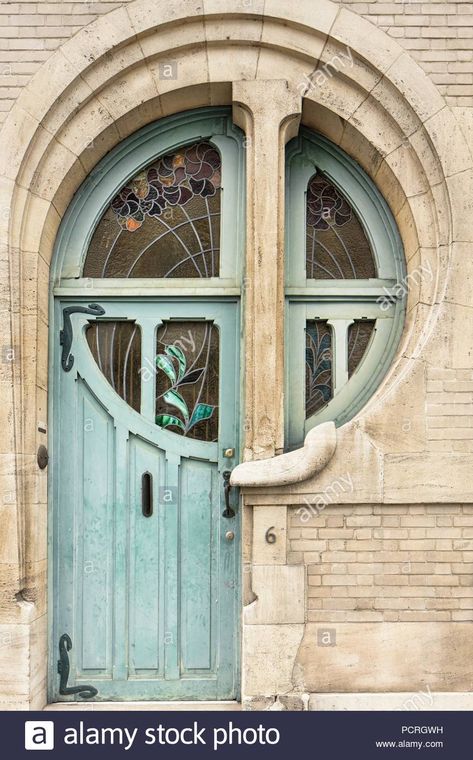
x=148 y=367
x=295 y=368
x=340 y=352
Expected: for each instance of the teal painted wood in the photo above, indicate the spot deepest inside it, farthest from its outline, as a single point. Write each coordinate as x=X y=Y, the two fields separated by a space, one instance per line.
x=151 y=603
x=132 y=622
x=340 y=301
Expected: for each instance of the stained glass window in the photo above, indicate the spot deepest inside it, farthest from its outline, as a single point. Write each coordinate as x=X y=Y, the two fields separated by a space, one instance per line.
x=336 y=245
x=318 y=361
x=344 y=264
x=165 y=222
x=116 y=347
x=359 y=336
x=187 y=385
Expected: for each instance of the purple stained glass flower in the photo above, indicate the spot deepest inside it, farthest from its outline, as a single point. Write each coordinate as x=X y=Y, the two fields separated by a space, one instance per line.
x=171 y=181
x=325 y=206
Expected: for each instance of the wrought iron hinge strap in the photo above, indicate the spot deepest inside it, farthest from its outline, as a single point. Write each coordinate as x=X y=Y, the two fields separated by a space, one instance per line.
x=63 y=668
x=66 y=334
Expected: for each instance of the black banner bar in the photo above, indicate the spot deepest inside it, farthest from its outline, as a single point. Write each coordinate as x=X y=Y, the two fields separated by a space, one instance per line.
x=229 y=735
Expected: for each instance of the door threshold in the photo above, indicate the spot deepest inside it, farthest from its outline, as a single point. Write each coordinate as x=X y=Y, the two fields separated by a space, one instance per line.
x=229 y=705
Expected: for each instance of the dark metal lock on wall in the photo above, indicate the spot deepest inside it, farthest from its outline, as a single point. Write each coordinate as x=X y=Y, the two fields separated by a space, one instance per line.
x=42 y=457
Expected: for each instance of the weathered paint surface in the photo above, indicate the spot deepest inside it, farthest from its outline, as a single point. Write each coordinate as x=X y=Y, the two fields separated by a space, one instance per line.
x=149 y=602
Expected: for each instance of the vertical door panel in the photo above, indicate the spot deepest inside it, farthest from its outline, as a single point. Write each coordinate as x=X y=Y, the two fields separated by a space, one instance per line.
x=198 y=566
x=94 y=535
x=146 y=562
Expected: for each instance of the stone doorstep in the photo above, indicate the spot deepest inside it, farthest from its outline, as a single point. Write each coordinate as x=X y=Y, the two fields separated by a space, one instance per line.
x=145 y=706
x=398 y=701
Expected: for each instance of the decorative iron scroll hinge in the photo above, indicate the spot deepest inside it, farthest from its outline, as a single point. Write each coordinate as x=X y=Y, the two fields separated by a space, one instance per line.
x=63 y=667
x=66 y=334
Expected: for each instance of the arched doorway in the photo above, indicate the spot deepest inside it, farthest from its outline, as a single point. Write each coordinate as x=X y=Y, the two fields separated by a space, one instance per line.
x=145 y=414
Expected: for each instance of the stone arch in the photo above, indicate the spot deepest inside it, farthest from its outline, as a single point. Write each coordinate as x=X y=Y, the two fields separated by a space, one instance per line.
x=104 y=83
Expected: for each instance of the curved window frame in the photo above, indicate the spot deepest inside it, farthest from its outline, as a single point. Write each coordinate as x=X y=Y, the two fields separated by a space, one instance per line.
x=121 y=165
x=338 y=301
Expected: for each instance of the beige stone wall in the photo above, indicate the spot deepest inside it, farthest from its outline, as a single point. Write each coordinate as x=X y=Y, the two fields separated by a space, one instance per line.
x=390 y=563
x=408 y=452
x=438 y=35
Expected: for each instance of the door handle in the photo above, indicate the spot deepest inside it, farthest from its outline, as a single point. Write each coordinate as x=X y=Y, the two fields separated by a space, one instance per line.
x=147 y=494
x=228 y=511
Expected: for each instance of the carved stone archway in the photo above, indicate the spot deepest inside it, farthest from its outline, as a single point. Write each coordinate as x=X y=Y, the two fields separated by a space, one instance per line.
x=107 y=82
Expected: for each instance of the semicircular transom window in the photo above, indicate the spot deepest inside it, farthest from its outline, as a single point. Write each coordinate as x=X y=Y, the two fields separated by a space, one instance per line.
x=165 y=222
x=344 y=267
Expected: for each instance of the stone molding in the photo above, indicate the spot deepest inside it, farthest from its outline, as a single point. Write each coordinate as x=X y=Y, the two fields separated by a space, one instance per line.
x=101 y=86
x=283 y=470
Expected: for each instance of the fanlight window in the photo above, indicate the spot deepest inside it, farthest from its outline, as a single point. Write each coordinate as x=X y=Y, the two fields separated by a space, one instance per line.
x=337 y=247
x=344 y=260
x=165 y=222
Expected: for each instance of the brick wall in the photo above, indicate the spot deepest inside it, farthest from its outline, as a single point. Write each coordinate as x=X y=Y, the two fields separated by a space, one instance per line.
x=29 y=32
x=389 y=563
x=439 y=36
x=450 y=409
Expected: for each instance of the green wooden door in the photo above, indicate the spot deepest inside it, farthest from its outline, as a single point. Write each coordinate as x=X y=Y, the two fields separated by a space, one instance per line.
x=146 y=579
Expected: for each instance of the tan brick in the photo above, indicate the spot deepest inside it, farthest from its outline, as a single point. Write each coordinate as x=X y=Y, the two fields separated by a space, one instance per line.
x=390 y=533
x=364 y=603
x=390 y=521
x=391 y=580
x=363 y=521
x=444 y=522
x=364 y=616
x=362 y=534
x=309 y=557
x=341 y=557
x=339 y=580
x=335 y=521
x=430 y=615
x=310 y=546
x=464 y=520
x=414 y=521
x=374 y=545
x=390 y=616
x=335 y=533
x=462 y=567
x=442 y=604
x=466 y=615
x=435 y=580
x=338 y=604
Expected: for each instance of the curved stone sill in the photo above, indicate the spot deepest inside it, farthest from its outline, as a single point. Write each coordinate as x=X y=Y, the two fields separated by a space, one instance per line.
x=295 y=466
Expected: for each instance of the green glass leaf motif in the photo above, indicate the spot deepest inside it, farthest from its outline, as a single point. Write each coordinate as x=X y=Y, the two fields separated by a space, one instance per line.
x=179 y=355
x=165 y=363
x=191 y=377
x=201 y=412
x=166 y=420
x=173 y=398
